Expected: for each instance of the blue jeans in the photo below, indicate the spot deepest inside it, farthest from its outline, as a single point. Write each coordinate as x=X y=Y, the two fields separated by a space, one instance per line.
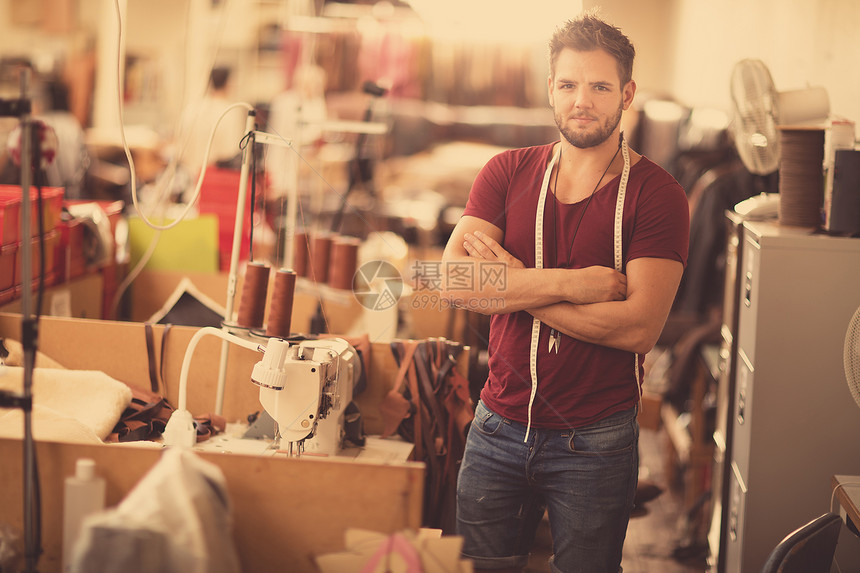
x=584 y=478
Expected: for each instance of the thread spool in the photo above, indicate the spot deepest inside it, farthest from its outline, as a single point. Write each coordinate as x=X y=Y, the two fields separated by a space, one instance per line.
x=801 y=176
x=281 y=305
x=320 y=256
x=300 y=253
x=344 y=259
x=252 y=305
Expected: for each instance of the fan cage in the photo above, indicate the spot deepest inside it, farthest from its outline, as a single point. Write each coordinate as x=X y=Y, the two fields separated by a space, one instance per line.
x=851 y=356
x=756 y=116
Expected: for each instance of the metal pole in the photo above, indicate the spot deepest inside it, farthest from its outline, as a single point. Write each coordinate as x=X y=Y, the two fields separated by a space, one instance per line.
x=234 y=260
x=28 y=336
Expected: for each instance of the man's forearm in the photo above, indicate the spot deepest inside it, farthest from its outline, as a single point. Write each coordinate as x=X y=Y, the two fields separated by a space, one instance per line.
x=514 y=289
x=517 y=287
x=632 y=324
x=611 y=324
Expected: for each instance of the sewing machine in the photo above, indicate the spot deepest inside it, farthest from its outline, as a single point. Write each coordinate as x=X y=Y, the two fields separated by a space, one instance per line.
x=305 y=387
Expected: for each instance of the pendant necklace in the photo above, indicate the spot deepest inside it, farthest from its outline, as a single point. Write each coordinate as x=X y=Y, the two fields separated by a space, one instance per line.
x=554 y=335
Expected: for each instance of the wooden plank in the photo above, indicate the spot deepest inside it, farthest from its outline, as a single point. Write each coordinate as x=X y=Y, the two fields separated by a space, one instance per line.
x=847 y=489
x=285 y=510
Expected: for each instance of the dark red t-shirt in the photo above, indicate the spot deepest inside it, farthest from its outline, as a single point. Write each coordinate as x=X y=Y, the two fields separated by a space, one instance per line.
x=583 y=382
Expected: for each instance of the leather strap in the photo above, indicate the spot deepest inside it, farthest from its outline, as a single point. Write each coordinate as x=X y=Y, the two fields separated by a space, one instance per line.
x=144 y=418
x=426 y=380
x=156 y=366
x=163 y=380
x=151 y=358
x=395 y=407
x=430 y=389
x=420 y=432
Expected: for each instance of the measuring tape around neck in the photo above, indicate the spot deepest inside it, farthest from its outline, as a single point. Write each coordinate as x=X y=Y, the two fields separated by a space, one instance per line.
x=618 y=244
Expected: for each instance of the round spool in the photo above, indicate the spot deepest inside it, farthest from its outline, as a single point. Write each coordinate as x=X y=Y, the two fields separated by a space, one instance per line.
x=281 y=306
x=252 y=305
x=801 y=176
x=343 y=263
x=320 y=257
x=300 y=253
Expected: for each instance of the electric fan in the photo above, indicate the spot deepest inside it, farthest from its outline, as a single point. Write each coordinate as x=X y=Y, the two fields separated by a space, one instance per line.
x=851 y=356
x=755 y=104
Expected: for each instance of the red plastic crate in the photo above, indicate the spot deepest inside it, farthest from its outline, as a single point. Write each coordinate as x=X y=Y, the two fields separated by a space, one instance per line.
x=218 y=195
x=112 y=276
x=7 y=295
x=52 y=240
x=10 y=220
x=52 y=207
x=70 y=249
x=7 y=266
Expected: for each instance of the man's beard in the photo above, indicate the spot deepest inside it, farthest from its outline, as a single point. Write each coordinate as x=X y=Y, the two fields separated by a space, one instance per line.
x=584 y=140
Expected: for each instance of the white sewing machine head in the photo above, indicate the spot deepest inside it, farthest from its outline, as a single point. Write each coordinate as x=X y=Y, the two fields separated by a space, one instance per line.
x=305 y=387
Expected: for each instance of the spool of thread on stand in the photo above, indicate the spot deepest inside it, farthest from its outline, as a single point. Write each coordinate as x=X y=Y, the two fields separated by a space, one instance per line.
x=801 y=176
x=300 y=253
x=342 y=266
x=320 y=257
x=281 y=306
x=252 y=305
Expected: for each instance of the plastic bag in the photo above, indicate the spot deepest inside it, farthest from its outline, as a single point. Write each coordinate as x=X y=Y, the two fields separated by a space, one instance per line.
x=176 y=519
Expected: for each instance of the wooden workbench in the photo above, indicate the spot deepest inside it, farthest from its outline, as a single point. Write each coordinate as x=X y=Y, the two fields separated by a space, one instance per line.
x=286 y=510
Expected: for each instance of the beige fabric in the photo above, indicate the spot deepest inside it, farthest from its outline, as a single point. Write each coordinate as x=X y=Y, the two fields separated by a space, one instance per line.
x=68 y=405
x=48 y=426
x=16 y=356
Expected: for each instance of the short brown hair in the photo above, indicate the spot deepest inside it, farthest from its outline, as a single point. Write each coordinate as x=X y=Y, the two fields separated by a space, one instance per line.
x=588 y=32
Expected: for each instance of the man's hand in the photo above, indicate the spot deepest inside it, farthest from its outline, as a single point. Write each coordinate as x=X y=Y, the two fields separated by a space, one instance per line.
x=597 y=284
x=481 y=246
x=588 y=285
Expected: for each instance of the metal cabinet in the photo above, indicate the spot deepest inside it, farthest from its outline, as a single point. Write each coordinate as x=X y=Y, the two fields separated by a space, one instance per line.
x=725 y=398
x=790 y=423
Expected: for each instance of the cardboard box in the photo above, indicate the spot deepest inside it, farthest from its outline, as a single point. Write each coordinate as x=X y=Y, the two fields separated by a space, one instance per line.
x=78 y=298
